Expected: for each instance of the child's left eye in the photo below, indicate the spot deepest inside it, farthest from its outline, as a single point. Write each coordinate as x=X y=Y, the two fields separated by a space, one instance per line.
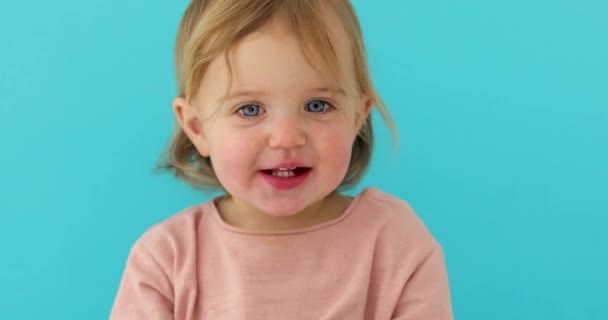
x=317 y=106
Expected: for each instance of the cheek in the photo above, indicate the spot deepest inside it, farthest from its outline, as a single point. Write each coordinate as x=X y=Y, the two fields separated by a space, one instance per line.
x=225 y=156
x=231 y=154
x=337 y=149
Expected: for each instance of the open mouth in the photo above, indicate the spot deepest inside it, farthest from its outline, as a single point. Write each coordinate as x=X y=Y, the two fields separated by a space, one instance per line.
x=286 y=172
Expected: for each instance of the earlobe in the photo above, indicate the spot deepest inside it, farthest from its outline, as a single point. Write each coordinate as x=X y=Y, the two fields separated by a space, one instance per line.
x=188 y=119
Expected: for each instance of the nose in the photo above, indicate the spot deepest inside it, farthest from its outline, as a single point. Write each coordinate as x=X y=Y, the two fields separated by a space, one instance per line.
x=287 y=133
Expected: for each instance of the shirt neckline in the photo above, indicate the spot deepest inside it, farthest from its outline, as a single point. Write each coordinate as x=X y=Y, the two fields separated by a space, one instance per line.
x=228 y=227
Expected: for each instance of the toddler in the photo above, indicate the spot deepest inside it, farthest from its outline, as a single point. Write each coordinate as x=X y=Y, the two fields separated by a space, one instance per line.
x=273 y=109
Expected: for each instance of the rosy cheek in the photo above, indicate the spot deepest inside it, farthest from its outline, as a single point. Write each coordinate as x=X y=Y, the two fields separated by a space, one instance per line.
x=235 y=152
x=338 y=148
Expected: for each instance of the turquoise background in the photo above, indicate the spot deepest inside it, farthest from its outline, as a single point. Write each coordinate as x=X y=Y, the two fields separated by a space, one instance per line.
x=502 y=108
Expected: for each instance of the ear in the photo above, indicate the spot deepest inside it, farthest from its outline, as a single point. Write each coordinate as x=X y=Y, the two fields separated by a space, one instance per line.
x=365 y=107
x=189 y=120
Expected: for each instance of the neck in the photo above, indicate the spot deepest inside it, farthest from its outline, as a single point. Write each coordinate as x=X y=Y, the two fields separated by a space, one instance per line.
x=243 y=216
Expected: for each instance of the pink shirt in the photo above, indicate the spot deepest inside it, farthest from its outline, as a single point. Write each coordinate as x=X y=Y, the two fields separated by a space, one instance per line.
x=376 y=261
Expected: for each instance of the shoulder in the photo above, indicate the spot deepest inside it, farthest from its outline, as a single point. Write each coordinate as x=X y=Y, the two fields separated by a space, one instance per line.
x=396 y=221
x=172 y=235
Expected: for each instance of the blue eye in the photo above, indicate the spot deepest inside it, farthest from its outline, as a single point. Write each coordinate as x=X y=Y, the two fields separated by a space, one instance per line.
x=251 y=110
x=317 y=106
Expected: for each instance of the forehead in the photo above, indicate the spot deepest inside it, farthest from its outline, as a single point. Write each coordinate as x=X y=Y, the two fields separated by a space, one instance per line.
x=307 y=34
x=276 y=56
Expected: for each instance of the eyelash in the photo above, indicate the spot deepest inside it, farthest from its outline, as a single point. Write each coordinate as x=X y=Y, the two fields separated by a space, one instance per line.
x=328 y=106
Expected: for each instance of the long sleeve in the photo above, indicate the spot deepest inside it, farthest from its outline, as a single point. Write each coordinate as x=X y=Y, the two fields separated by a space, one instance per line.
x=377 y=261
x=145 y=290
x=426 y=296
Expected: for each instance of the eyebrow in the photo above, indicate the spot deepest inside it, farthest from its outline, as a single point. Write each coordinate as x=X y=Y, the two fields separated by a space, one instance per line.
x=332 y=90
x=248 y=93
x=244 y=93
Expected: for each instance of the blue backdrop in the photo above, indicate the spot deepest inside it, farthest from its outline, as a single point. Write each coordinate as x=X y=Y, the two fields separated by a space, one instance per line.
x=502 y=109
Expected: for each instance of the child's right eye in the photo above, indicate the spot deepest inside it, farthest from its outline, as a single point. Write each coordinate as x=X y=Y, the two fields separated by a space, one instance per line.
x=251 y=110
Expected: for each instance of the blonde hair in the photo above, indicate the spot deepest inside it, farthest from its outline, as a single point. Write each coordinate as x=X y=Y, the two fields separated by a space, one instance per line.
x=210 y=28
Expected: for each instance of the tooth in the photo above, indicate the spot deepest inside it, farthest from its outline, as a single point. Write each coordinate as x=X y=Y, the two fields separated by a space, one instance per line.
x=285 y=169
x=283 y=174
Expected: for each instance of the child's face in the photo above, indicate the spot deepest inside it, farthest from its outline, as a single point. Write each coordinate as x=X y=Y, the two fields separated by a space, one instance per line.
x=280 y=113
